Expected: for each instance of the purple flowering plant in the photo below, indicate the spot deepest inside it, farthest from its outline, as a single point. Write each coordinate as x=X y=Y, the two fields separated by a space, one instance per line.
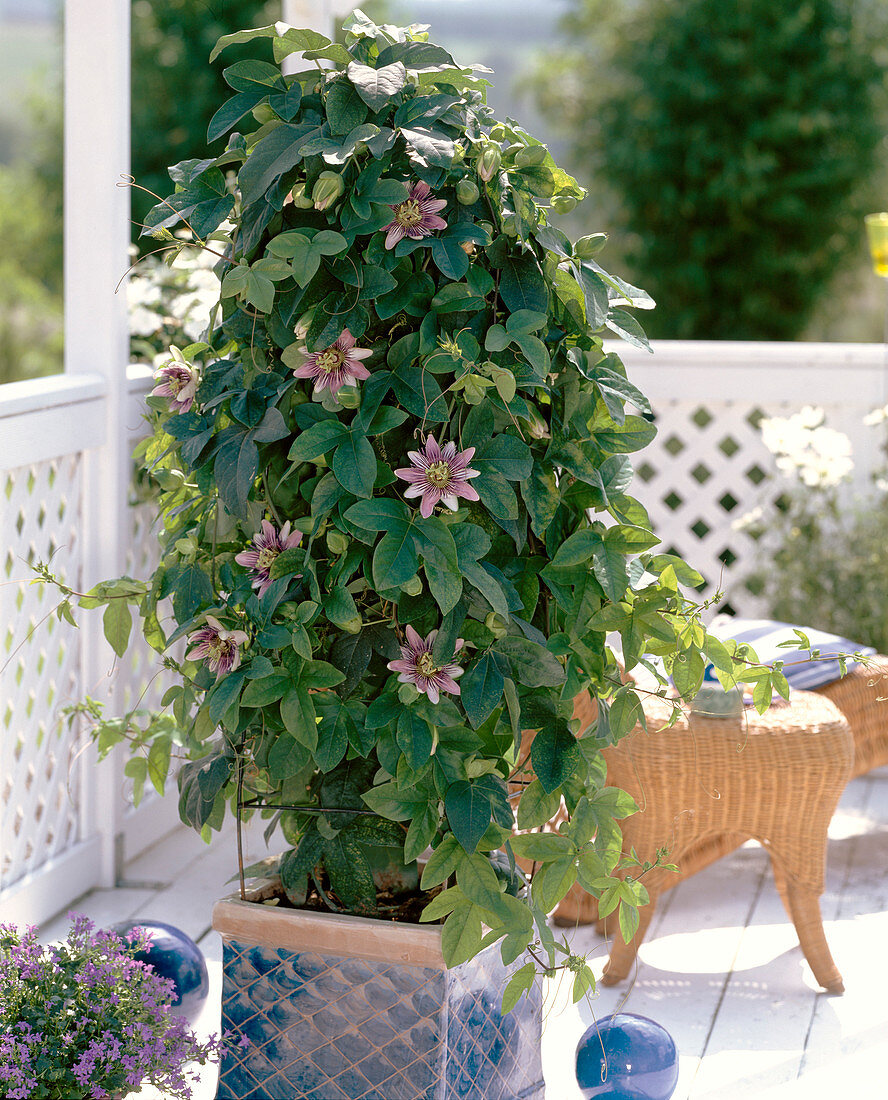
x=86 y=1019
x=396 y=517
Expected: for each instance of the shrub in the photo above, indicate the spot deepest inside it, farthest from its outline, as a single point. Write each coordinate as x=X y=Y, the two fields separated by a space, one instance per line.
x=739 y=139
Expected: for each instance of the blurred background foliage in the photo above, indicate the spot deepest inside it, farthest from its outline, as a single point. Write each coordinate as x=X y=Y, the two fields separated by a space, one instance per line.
x=729 y=149
x=734 y=147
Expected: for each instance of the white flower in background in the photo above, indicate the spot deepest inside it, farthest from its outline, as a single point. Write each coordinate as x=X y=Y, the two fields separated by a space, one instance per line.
x=806 y=450
x=877 y=416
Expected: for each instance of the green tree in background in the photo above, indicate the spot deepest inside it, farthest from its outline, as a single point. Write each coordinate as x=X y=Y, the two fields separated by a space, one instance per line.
x=741 y=141
x=174 y=91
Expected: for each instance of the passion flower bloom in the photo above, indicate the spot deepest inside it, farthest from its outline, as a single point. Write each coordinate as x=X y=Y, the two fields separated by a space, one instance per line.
x=177 y=381
x=218 y=646
x=267 y=544
x=417 y=667
x=439 y=475
x=336 y=366
x=416 y=216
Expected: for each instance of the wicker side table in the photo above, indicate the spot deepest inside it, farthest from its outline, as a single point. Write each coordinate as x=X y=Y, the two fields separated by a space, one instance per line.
x=862 y=696
x=713 y=783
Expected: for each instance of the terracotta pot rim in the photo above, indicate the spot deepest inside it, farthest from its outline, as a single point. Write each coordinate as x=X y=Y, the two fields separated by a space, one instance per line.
x=328 y=933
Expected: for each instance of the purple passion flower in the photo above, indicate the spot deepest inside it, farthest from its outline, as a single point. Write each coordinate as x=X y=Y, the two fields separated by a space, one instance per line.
x=439 y=475
x=416 y=216
x=218 y=646
x=336 y=366
x=177 y=381
x=417 y=667
x=267 y=543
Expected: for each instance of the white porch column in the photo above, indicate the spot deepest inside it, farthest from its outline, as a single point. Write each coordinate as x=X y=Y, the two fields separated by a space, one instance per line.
x=97 y=211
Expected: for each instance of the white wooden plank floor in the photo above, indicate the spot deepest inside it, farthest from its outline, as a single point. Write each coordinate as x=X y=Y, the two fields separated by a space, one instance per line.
x=721 y=968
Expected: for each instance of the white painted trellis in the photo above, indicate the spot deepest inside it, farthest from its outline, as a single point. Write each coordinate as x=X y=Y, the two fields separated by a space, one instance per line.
x=65 y=824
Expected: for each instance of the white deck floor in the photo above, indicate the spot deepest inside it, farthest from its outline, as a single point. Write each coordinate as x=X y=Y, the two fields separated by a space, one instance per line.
x=721 y=969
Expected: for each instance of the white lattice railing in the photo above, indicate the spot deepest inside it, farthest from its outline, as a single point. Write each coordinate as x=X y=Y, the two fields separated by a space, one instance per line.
x=708 y=465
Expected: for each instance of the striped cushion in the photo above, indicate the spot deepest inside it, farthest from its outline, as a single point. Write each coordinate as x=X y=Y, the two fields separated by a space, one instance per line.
x=765 y=634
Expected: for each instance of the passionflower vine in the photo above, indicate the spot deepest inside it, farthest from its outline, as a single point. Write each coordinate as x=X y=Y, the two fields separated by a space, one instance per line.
x=217 y=645
x=439 y=475
x=267 y=544
x=418 y=668
x=416 y=216
x=336 y=366
x=177 y=381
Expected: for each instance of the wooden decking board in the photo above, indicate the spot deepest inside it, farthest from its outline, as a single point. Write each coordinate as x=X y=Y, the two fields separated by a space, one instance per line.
x=721 y=968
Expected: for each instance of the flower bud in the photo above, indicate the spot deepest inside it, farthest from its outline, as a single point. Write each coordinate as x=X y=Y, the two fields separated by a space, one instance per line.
x=563 y=204
x=348 y=397
x=353 y=626
x=468 y=247
x=337 y=543
x=327 y=189
x=531 y=155
x=299 y=197
x=413 y=587
x=587 y=247
x=303 y=325
x=489 y=162
x=497 y=625
x=263 y=113
x=467 y=192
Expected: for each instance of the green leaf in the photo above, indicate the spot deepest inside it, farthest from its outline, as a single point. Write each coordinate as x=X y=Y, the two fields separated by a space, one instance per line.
x=481 y=690
x=333 y=734
x=611 y=570
x=468 y=811
x=461 y=935
x=497 y=496
x=555 y=756
x=345 y=107
x=287 y=40
x=576 y=549
x=553 y=880
x=414 y=738
x=270 y=158
x=235 y=468
x=429 y=148
x=541 y=495
x=506 y=455
x=442 y=863
x=522 y=285
x=532 y=664
x=317 y=441
x=232 y=111
x=354 y=464
x=351 y=875
x=625 y=325
x=477 y=880
x=377 y=86
x=520 y=983
x=379 y=514
x=421 y=833
x=251 y=76
x=320 y=675
x=537 y=806
x=266 y=690
x=117 y=622
x=634 y=434
x=594 y=294
x=298 y=716
x=286 y=757
x=395 y=560
x=192 y=591
x=340 y=607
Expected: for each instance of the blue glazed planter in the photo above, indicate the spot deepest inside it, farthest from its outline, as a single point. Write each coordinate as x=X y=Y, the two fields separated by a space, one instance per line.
x=346 y=1008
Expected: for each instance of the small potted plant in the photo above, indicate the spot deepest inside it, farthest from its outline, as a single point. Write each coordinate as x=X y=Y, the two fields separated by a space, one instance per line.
x=393 y=494
x=86 y=1019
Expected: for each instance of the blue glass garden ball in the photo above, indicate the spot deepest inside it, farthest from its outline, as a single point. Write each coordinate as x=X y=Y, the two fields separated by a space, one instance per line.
x=177 y=957
x=642 y=1062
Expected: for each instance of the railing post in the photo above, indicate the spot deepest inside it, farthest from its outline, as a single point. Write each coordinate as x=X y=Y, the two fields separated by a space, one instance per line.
x=97 y=212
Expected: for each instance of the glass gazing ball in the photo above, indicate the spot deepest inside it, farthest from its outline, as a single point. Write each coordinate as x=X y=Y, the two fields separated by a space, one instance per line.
x=637 y=1055
x=177 y=957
